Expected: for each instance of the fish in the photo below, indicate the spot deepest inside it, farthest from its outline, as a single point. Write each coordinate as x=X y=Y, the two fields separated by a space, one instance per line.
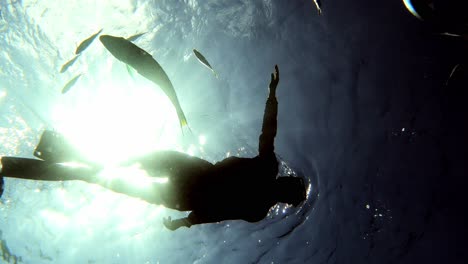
x=204 y=61
x=450 y=34
x=318 y=4
x=68 y=64
x=70 y=83
x=140 y=60
x=85 y=43
x=462 y=35
x=451 y=74
x=135 y=37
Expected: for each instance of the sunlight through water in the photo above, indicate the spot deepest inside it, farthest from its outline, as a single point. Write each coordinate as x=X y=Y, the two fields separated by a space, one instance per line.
x=117 y=118
x=112 y=115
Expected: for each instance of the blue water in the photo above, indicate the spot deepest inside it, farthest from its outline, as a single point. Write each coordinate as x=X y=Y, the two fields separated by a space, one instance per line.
x=353 y=82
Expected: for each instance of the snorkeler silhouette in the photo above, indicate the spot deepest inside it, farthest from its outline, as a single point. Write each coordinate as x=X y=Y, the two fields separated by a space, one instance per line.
x=232 y=189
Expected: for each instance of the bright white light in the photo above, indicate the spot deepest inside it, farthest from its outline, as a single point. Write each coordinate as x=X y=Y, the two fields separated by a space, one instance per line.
x=74 y=165
x=191 y=150
x=56 y=219
x=114 y=117
x=134 y=175
x=187 y=56
x=202 y=140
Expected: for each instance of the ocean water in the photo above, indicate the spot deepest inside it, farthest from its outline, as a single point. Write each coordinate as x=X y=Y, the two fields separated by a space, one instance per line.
x=110 y=115
x=353 y=82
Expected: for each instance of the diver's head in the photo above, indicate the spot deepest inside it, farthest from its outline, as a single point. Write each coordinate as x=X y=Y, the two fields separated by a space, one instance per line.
x=290 y=190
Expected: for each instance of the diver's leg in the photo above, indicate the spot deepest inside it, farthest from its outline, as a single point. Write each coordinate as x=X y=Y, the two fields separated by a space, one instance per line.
x=150 y=191
x=267 y=138
x=33 y=169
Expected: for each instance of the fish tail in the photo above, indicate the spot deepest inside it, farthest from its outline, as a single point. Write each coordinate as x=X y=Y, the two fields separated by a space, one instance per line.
x=183 y=123
x=182 y=119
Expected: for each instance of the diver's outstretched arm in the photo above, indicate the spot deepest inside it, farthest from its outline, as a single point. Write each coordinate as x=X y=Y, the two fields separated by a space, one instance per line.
x=267 y=138
x=195 y=218
x=175 y=224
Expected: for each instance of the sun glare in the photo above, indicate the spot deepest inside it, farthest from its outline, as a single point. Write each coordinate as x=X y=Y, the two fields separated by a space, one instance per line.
x=133 y=174
x=110 y=121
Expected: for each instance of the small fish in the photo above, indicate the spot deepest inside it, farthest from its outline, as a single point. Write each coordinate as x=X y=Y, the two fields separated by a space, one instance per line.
x=85 y=43
x=451 y=74
x=450 y=34
x=68 y=64
x=462 y=36
x=135 y=37
x=140 y=60
x=70 y=84
x=204 y=61
x=318 y=4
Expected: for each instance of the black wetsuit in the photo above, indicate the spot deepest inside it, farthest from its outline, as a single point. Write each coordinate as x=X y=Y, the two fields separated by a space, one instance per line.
x=246 y=185
x=234 y=188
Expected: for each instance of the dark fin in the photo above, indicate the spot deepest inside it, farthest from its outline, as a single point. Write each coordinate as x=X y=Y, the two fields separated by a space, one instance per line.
x=55 y=148
x=130 y=71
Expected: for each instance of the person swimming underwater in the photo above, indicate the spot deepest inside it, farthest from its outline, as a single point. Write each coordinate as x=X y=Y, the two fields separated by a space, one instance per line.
x=232 y=189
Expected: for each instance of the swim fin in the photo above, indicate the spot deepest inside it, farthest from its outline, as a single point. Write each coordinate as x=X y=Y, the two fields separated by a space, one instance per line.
x=54 y=147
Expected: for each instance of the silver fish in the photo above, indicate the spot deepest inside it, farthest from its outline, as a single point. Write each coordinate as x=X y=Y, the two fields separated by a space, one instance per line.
x=204 y=61
x=68 y=64
x=463 y=36
x=85 y=43
x=70 y=84
x=451 y=74
x=146 y=66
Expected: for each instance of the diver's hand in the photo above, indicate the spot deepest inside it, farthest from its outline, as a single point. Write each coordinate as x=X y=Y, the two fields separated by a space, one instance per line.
x=175 y=224
x=169 y=224
x=274 y=80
